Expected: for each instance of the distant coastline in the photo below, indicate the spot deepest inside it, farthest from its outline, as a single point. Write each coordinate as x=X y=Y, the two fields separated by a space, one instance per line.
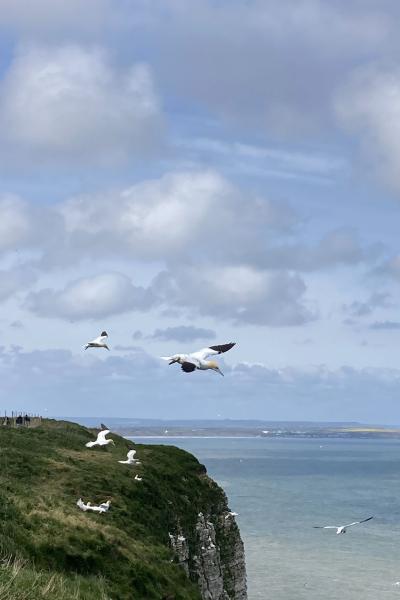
x=158 y=428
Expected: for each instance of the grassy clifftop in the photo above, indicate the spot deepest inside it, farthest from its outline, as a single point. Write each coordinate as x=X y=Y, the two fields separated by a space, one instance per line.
x=50 y=549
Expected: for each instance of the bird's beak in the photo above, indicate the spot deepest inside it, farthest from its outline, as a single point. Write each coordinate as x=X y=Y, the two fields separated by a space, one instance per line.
x=173 y=361
x=218 y=370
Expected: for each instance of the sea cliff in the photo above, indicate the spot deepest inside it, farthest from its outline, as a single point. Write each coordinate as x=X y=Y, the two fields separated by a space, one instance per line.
x=167 y=537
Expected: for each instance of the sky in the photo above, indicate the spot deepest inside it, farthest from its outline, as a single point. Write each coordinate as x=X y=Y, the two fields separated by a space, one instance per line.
x=195 y=172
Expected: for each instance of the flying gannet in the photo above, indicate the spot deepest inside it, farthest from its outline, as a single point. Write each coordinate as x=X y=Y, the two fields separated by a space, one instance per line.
x=197 y=360
x=342 y=528
x=137 y=478
x=101 y=439
x=102 y=508
x=130 y=459
x=99 y=342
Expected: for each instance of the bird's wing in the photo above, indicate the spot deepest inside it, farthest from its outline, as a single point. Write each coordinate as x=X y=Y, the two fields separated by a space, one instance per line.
x=102 y=435
x=358 y=522
x=212 y=351
x=131 y=454
x=325 y=527
x=174 y=358
x=188 y=367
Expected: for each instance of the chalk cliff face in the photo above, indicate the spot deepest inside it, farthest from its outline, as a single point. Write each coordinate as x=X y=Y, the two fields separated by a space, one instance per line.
x=213 y=554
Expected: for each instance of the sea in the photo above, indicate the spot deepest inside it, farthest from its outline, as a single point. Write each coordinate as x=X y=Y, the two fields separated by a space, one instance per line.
x=281 y=488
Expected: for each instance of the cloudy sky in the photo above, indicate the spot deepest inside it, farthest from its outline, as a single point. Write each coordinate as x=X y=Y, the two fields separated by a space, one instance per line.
x=191 y=172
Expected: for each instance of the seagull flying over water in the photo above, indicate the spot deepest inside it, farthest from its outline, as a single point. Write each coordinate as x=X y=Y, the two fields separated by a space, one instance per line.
x=99 y=342
x=198 y=360
x=102 y=508
x=342 y=528
x=130 y=460
x=101 y=439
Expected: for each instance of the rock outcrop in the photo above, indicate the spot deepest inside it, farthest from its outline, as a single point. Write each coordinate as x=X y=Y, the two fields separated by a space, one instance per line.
x=214 y=557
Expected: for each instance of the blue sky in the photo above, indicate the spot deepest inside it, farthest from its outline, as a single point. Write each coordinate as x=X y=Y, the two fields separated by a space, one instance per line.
x=187 y=173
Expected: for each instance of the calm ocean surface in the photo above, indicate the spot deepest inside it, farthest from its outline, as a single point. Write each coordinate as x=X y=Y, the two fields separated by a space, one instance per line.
x=281 y=488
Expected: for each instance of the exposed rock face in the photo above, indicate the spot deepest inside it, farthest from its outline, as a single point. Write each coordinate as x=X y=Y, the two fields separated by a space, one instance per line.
x=215 y=556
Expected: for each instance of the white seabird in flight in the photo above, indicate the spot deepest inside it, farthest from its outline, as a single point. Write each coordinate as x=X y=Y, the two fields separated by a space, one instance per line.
x=130 y=459
x=137 y=478
x=101 y=439
x=99 y=342
x=197 y=360
x=231 y=514
x=342 y=528
x=102 y=508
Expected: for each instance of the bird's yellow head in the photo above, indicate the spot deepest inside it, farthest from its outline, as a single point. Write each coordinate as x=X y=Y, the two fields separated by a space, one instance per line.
x=214 y=366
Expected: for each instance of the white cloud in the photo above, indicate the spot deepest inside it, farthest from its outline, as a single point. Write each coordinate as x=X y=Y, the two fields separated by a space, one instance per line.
x=275 y=64
x=72 y=103
x=181 y=215
x=91 y=298
x=370 y=106
x=201 y=216
x=233 y=293
x=240 y=293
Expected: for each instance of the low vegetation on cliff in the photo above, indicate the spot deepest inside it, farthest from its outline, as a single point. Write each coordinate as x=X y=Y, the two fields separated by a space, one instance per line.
x=52 y=550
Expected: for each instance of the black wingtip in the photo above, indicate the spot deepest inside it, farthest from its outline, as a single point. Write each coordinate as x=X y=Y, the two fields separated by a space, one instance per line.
x=104 y=333
x=221 y=348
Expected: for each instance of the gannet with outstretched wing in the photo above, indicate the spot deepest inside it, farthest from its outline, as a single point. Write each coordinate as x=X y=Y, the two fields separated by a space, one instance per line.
x=198 y=360
x=102 y=508
x=342 y=528
x=130 y=460
x=99 y=342
x=101 y=439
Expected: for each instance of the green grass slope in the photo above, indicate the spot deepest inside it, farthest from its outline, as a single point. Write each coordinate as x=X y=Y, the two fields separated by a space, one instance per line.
x=50 y=549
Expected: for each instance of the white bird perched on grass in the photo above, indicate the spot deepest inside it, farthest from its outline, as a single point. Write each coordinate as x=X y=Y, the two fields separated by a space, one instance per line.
x=137 y=478
x=101 y=439
x=102 y=508
x=130 y=460
x=342 y=528
x=198 y=360
x=99 y=342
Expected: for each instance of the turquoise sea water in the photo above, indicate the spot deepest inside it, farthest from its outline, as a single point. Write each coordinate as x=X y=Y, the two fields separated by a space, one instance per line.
x=281 y=488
